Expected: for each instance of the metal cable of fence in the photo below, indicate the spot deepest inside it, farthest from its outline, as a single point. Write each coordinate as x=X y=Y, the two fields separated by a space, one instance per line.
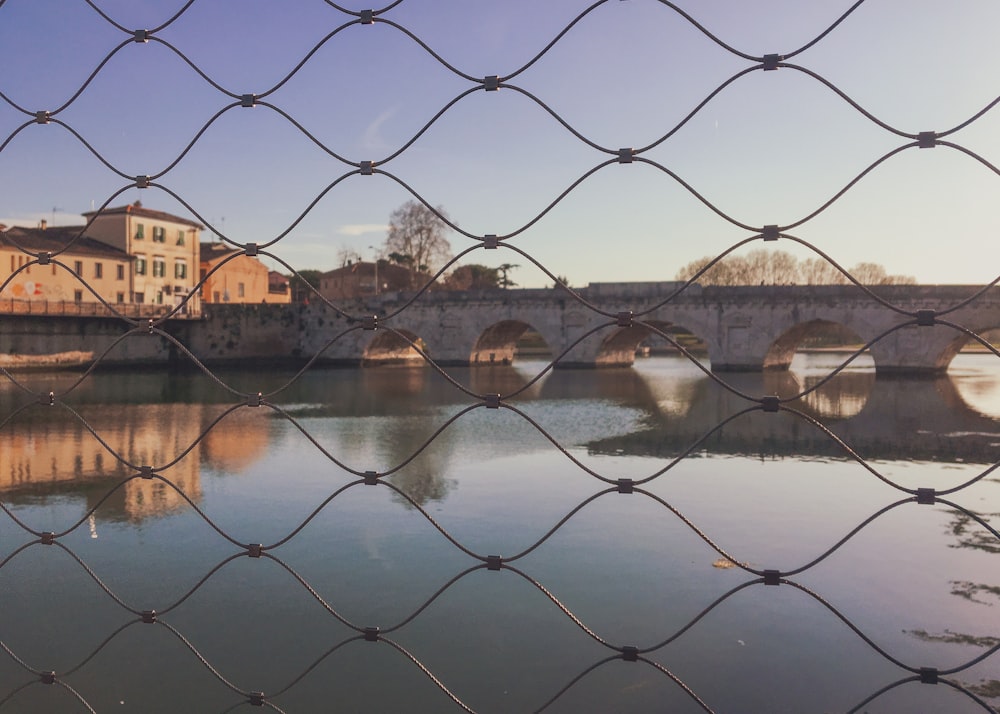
x=767 y=577
x=621 y=320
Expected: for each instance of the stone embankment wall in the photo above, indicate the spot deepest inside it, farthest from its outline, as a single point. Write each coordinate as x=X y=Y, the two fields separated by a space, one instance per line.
x=223 y=334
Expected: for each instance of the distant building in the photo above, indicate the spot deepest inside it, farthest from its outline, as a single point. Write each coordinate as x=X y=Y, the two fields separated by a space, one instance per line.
x=164 y=248
x=240 y=279
x=106 y=269
x=359 y=280
x=278 y=287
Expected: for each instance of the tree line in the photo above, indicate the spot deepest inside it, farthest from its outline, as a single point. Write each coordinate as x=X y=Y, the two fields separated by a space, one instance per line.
x=777 y=267
x=417 y=240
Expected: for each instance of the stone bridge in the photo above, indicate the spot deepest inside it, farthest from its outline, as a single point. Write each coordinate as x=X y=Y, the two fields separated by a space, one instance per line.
x=743 y=328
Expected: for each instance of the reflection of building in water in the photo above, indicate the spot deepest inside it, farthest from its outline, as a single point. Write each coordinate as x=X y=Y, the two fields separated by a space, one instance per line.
x=236 y=442
x=52 y=453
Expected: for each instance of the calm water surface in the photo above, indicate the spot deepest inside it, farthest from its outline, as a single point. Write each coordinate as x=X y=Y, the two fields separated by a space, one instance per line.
x=773 y=490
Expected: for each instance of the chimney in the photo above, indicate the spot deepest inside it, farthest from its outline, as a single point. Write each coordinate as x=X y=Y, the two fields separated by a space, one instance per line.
x=43 y=224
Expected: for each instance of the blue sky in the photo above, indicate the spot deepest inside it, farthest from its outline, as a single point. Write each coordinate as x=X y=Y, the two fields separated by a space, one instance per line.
x=769 y=149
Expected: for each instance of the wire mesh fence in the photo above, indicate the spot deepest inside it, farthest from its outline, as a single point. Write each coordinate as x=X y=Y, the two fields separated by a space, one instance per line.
x=461 y=599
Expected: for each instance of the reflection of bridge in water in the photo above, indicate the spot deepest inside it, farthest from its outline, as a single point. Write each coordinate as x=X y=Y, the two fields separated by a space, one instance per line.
x=46 y=453
x=880 y=418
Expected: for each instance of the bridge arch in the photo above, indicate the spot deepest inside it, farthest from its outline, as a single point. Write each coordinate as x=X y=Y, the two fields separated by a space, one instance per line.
x=780 y=353
x=388 y=347
x=959 y=340
x=618 y=349
x=497 y=344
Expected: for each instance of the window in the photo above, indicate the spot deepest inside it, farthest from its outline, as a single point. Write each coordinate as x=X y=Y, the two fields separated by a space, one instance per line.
x=216 y=297
x=98 y=270
x=140 y=298
x=121 y=298
x=159 y=234
x=180 y=237
x=120 y=270
x=241 y=290
x=140 y=265
x=78 y=267
x=78 y=296
x=159 y=267
x=180 y=269
x=140 y=231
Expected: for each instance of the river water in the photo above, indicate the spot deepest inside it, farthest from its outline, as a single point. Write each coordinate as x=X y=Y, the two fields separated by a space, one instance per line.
x=775 y=491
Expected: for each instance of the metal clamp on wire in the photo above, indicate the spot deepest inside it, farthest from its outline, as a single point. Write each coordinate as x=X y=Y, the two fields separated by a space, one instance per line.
x=494 y=562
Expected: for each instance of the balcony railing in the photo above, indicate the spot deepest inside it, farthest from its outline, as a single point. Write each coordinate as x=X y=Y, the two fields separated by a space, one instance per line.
x=60 y=308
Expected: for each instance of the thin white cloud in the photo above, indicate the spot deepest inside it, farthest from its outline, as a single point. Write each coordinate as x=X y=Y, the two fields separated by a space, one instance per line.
x=360 y=229
x=371 y=139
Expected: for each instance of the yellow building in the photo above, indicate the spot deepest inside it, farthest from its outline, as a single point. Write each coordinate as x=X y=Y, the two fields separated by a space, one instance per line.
x=165 y=249
x=104 y=268
x=242 y=279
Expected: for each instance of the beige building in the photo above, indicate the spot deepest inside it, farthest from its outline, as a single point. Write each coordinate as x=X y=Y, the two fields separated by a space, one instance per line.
x=362 y=278
x=165 y=249
x=242 y=279
x=104 y=268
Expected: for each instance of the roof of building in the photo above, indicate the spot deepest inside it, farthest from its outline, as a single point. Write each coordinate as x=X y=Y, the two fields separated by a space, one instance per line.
x=137 y=209
x=361 y=267
x=55 y=239
x=216 y=251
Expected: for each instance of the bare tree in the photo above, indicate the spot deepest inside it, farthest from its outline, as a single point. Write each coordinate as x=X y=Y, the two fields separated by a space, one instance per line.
x=765 y=267
x=346 y=255
x=417 y=238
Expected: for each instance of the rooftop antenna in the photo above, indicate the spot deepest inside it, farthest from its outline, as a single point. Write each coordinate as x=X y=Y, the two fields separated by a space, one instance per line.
x=54 y=209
